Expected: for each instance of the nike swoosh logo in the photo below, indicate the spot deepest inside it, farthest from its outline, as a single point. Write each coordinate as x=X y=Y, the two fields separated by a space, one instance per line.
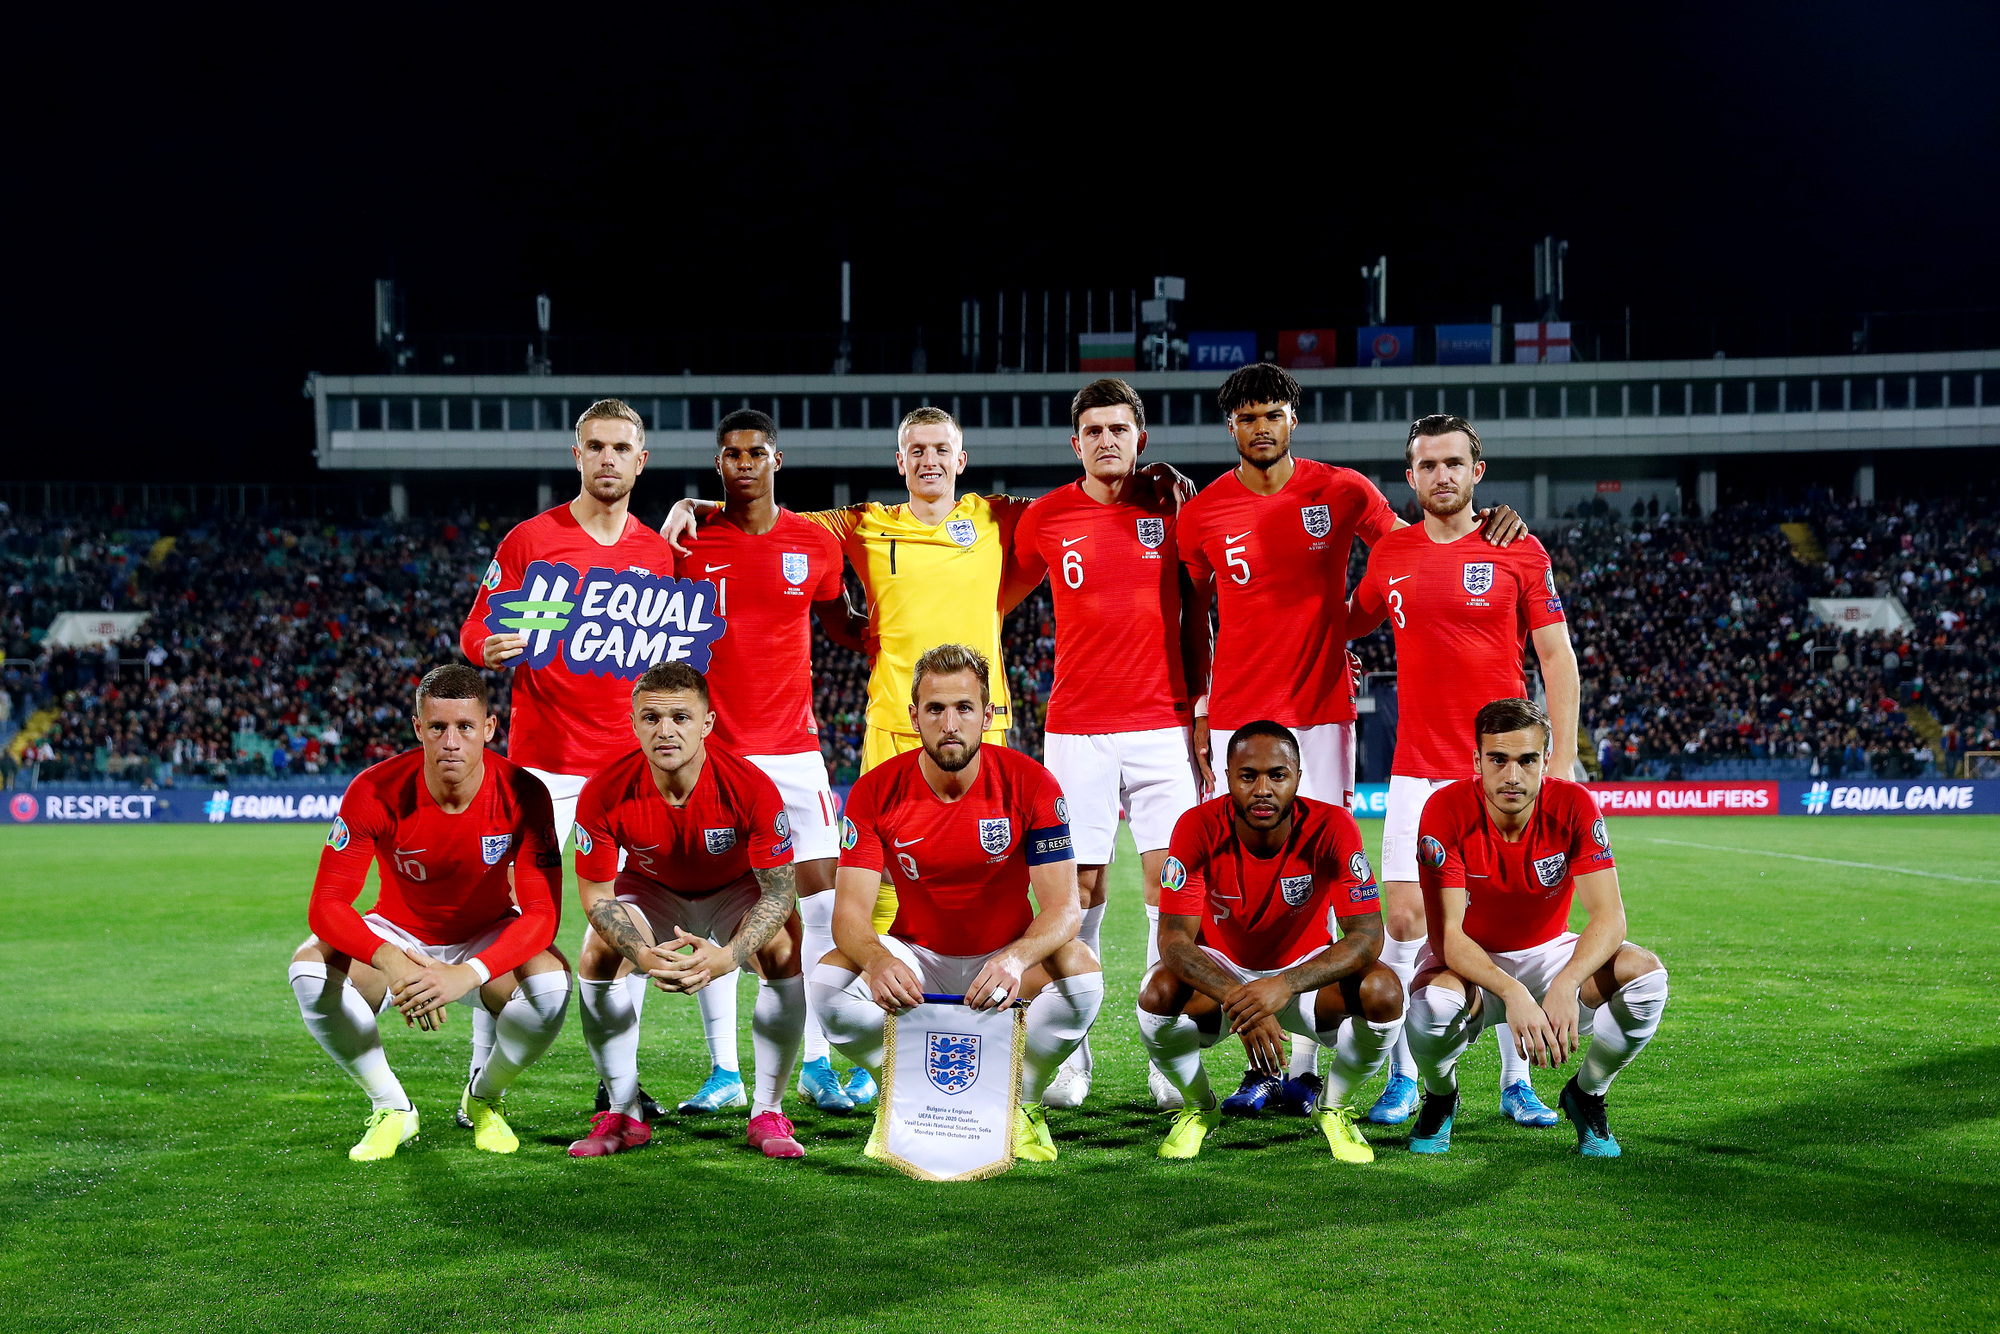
x=905 y=842
x=713 y=568
x=408 y=852
x=1237 y=538
x=1476 y=876
x=1400 y=578
x=1072 y=541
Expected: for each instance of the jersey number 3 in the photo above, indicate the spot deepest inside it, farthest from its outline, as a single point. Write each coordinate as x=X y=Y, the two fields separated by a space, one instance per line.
x=1396 y=607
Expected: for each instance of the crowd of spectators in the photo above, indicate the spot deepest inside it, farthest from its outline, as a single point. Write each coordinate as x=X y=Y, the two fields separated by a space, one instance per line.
x=276 y=648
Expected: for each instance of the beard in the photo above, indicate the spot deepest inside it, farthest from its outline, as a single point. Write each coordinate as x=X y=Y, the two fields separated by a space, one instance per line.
x=953 y=760
x=611 y=490
x=1445 y=509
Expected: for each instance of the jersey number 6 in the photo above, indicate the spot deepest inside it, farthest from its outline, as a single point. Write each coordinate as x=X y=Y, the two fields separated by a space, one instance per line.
x=1073 y=568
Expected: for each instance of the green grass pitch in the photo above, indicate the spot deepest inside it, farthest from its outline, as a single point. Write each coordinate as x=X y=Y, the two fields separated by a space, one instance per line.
x=1811 y=1140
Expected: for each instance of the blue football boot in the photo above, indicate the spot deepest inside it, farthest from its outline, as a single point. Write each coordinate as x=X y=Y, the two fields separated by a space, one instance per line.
x=1397 y=1104
x=1519 y=1103
x=1433 y=1129
x=1586 y=1113
x=860 y=1086
x=723 y=1088
x=1300 y=1095
x=818 y=1082
x=1252 y=1094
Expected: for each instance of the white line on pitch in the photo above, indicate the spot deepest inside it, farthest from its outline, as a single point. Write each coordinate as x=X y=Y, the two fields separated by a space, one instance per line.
x=1828 y=861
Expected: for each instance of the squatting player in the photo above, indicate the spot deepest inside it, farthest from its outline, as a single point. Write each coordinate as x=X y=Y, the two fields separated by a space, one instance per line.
x=708 y=856
x=1459 y=608
x=564 y=724
x=1129 y=637
x=460 y=833
x=773 y=572
x=1502 y=950
x=1273 y=537
x=1256 y=884
x=966 y=831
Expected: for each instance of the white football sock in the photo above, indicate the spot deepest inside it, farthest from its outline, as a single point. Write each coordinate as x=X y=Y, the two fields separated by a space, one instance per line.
x=776 y=1021
x=341 y=1022
x=1400 y=958
x=1092 y=929
x=816 y=916
x=1514 y=1067
x=524 y=1028
x=1358 y=1052
x=483 y=1021
x=1174 y=1044
x=1152 y=935
x=717 y=1002
x=852 y=1020
x=1621 y=1028
x=637 y=984
x=1305 y=1057
x=611 y=1033
x=1057 y=1020
x=1434 y=1024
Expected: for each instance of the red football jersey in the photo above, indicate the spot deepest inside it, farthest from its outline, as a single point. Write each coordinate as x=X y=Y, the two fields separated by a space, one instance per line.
x=1280 y=568
x=760 y=674
x=960 y=868
x=734 y=820
x=1267 y=912
x=1461 y=613
x=1518 y=893
x=1115 y=574
x=444 y=877
x=564 y=721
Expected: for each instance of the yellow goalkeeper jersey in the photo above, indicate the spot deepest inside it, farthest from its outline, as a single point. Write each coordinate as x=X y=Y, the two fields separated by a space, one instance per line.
x=928 y=584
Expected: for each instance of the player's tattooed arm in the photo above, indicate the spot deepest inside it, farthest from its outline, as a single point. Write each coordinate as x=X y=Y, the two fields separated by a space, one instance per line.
x=1359 y=946
x=614 y=926
x=1189 y=961
x=780 y=886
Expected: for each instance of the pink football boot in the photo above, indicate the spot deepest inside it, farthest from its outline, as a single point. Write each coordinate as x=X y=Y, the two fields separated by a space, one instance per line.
x=611 y=1132
x=772 y=1133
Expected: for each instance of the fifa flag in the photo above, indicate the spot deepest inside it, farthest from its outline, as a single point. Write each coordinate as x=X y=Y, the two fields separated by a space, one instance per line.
x=1105 y=352
x=951 y=1079
x=1541 y=342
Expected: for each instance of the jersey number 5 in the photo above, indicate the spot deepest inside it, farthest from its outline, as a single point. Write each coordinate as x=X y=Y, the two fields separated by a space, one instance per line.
x=1234 y=557
x=1073 y=568
x=1396 y=606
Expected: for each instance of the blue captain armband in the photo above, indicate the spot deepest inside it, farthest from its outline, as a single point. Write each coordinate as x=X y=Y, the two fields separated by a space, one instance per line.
x=1049 y=845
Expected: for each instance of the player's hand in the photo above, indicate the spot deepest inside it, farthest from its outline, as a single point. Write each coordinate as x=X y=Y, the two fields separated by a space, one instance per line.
x=1168 y=480
x=1264 y=1043
x=426 y=992
x=681 y=522
x=688 y=973
x=1253 y=1002
x=892 y=984
x=1204 y=777
x=1501 y=526
x=1563 y=1013
x=1534 y=1036
x=499 y=648
x=998 y=984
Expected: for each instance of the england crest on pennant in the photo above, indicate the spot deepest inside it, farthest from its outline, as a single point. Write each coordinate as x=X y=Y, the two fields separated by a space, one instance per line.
x=494 y=846
x=951 y=1061
x=719 y=841
x=1152 y=532
x=1478 y=576
x=995 y=835
x=962 y=532
x=1549 y=870
x=1318 y=522
x=795 y=567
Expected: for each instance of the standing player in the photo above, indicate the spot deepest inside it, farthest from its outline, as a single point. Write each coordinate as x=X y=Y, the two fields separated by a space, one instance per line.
x=1129 y=637
x=708 y=857
x=1274 y=537
x=1532 y=841
x=1460 y=609
x=966 y=830
x=773 y=572
x=460 y=834
x=1255 y=884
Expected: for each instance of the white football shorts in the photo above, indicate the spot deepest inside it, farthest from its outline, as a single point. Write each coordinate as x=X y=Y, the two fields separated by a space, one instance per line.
x=1326 y=756
x=711 y=916
x=941 y=974
x=801 y=780
x=1148 y=772
x=447 y=954
x=1297 y=1014
x=1399 y=831
x=1534 y=968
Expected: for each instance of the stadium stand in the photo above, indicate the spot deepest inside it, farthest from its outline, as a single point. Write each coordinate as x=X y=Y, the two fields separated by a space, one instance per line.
x=283 y=647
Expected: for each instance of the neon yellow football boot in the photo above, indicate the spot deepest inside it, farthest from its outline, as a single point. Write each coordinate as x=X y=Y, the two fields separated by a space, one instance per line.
x=490 y=1130
x=389 y=1129
x=1190 y=1128
x=1337 y=1123
x=1031 y=1134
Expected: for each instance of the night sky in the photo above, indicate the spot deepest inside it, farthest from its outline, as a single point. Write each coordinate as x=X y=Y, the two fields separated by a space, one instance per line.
x=199 y=211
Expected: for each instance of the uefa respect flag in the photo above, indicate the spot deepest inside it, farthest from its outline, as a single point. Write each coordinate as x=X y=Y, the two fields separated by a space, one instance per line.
x=951 y=1080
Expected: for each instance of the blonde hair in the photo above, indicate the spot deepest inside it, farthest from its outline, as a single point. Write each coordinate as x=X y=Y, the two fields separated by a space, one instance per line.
x=928 y=416
x=949 y=660
x=612 y=409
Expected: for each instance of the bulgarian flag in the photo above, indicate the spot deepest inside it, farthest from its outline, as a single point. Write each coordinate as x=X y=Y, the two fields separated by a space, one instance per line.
x=1106 y=352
